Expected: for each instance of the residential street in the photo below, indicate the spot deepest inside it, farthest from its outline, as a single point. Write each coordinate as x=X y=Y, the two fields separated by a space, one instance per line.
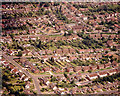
x=35 y=81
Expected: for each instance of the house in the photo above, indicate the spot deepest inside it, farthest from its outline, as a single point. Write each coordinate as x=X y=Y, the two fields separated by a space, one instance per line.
x=110 y=43
x=21 y=75
x=57 y=70
x=85 y=18
x=44 y=80
x=35 y=70
x=74 y=90
x=10 y=66
x=115 y=64
x=85 y=68
x=58 y=51
x=42 y=52
x=81 y=50
x=27 y=85
x=71 y=50
x=103 y=74
x=69 y=69
x=5 y=64
x=52 y=86
x=15 y=71
x=92 y=76
x=46 y=69
x=77 y=78
x=27 y=52
x=112 y=71
x=25 y=78
x=77 y=69
x=48 y=52
x=106 y=49
x=100 y=66
x=65 y=51
x=73 y=58
x=93 y=67
x=107 y=65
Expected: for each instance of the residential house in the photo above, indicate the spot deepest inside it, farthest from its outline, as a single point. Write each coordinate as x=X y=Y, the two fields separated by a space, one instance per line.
x=73 y=58
x=69 y=69
x=48 y=51
x=71 y=50
x=110 y=43
x=112 y=71
x=107 y=65
x=100 y=66
x=92 y=76
x=93 y=67
x=85 y=68
x=58 y=51
x=77 y=69
x=103 y=74
x=46 y=69
x=65 y=51
x=115 y=64
x=52 y=86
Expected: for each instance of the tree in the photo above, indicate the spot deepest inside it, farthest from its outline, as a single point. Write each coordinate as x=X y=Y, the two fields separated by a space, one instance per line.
x=65 y=75
x=20 y=53
x=52 y=59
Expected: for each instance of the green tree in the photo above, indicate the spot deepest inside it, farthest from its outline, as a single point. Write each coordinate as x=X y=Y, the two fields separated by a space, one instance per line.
x=19 y=53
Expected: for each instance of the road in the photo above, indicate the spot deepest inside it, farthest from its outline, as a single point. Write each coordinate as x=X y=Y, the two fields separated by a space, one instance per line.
x=35 y=80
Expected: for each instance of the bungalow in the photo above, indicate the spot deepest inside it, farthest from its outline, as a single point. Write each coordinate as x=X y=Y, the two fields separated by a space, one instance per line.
x=27 y=52
x=32 y=37
x=103 y=74
x=112 y=36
